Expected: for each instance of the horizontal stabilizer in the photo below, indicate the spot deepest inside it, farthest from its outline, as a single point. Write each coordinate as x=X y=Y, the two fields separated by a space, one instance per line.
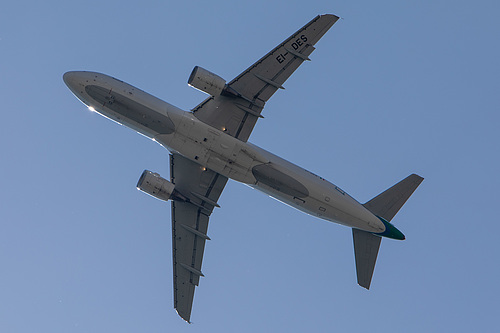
x=385 y=206
x=366 y=247
x=388 y=203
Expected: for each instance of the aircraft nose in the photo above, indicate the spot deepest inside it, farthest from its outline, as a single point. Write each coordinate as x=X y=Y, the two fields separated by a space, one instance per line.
x=71 y=79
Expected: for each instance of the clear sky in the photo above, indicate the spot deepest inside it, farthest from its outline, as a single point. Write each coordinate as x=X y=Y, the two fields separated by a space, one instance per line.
x=395 y=87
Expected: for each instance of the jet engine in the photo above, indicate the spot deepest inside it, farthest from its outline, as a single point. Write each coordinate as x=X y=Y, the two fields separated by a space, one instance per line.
x=156 y=186
x=206 y=81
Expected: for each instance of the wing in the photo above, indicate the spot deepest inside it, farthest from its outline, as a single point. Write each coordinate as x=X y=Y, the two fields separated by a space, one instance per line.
x=237 y=109
x=203 y=187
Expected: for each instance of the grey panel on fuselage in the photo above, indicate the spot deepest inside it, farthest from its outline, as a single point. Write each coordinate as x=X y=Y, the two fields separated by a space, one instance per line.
x=266 y=174
x=131 y=110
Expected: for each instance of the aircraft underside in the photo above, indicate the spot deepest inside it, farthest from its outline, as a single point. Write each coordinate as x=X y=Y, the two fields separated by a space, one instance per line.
x=209 y=145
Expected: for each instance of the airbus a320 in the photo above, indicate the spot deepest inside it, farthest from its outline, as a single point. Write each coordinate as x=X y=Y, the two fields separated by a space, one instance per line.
x=209 y=145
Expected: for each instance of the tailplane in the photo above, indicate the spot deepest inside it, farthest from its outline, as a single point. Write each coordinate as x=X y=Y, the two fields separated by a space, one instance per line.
x=389 y=202
x=384 y=206
x=366 y=247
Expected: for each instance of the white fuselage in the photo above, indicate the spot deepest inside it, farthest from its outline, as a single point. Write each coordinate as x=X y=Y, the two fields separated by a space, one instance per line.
x=181 y=132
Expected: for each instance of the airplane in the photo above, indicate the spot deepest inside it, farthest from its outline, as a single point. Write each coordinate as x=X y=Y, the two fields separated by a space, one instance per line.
x=209 y=145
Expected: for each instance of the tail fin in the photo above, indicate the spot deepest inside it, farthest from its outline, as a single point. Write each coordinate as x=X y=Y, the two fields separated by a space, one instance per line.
x=385 y=206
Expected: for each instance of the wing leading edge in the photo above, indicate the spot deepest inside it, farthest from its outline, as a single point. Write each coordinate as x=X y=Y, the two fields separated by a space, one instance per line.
x=190 y=225
x=236 y=110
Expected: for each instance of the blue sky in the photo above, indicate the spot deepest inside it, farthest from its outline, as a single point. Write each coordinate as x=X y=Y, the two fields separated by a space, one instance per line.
x=393 y=88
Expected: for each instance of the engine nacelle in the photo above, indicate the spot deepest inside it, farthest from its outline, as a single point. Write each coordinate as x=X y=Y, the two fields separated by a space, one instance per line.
x=206 y=81
x=156 y=186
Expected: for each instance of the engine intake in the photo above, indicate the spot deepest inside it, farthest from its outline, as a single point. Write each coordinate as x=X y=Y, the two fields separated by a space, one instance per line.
x=206 y=81
x=156 y=186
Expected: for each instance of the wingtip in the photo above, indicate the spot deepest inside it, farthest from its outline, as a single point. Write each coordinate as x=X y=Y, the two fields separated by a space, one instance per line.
x=186 y=318
x=332 y=16
x=417 y=177
x=367 y=287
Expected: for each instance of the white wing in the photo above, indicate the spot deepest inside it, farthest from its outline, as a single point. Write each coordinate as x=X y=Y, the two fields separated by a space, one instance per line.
x=190 y=225
x=236 y=111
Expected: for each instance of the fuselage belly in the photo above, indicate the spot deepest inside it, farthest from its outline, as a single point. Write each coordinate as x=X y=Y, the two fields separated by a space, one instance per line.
x=181 y=132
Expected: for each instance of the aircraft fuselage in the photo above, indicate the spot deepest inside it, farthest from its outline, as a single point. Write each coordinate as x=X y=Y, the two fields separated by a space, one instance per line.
x=181 y=132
